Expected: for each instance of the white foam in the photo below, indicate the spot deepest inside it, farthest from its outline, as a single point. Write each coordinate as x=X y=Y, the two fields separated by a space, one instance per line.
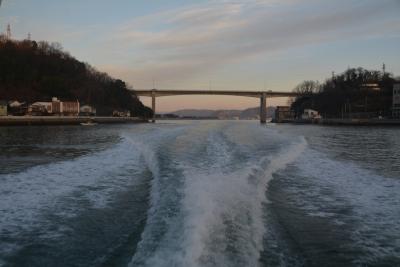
x=216 y=198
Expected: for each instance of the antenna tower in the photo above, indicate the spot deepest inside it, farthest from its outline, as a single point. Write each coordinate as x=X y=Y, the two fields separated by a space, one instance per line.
x=384 y=69
x=8 y=34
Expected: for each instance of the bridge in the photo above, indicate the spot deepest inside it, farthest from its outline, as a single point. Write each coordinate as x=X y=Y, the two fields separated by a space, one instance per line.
x=262 y=95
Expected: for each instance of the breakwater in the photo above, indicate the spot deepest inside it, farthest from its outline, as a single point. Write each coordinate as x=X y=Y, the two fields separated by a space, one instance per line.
x=58 y=120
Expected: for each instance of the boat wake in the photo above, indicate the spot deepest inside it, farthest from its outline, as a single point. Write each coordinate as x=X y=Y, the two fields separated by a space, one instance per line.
x=217 y=213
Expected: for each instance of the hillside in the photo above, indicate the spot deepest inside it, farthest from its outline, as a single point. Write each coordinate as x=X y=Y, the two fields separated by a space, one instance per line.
x=357 y=92
x=36 y=71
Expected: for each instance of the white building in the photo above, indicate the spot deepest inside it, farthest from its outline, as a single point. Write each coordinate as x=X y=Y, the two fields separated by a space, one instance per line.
x=42 y=106
x=396 y=101
x=117 y=113
x=310 y=114
x=15 y=104
x=55 y=107
x=87 y=110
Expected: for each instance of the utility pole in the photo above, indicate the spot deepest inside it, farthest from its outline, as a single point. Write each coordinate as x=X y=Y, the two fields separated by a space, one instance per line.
x=383 y=69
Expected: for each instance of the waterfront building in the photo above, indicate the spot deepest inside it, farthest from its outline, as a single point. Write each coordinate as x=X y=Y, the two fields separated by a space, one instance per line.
x=283 y=113
x=70 y=108
x=117 y=113
x=39 y=108
x=17 y=108
x=53 y=107
x=396 y=101
x=310 y=114
x=371 y=86
x=46 y=105
x=56 y=106
x=15 y=104
x=3 y=108
x=87 y=110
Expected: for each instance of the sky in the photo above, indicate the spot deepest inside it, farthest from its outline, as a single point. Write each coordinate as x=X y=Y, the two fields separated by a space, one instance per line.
x=215 y=44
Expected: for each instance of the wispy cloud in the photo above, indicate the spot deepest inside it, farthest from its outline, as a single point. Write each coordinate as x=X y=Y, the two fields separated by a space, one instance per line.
x=190 y=40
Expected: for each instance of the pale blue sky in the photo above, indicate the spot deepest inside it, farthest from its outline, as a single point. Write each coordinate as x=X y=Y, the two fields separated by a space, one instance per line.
x=234 y=44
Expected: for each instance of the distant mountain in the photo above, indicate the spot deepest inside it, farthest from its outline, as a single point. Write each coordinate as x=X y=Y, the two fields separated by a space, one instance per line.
x=198 y=113
x=250 y=113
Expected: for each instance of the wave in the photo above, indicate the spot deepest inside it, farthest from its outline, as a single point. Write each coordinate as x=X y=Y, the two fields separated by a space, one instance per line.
x=372 y=201
x=58 y=188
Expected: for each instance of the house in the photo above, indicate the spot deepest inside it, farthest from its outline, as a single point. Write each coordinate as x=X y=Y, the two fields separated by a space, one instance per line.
x=125 y=113
x=87 y=110
x=15 y=104
x=39 y=109
x=47 y=106
x=3 y=108
x=70 y=108
x=371 y=86
x=310 y=114
x=17 y=108
x=283 y=113
x=56 y=105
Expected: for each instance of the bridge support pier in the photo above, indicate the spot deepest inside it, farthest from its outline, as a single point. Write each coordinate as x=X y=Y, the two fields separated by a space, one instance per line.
x=263 y=108
x=153 y=106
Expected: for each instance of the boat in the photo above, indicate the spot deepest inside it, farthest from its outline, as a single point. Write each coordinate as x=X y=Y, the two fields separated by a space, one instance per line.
x=88 y=123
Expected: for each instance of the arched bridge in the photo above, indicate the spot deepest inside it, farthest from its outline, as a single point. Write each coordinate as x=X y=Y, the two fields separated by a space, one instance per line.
x=262 y=95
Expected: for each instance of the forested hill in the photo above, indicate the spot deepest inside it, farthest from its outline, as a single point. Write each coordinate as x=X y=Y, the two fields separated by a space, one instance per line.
x=37 y=71
x=357 y=91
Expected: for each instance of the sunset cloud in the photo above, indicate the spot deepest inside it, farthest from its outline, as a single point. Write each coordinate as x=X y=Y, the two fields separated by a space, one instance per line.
x=190 y=40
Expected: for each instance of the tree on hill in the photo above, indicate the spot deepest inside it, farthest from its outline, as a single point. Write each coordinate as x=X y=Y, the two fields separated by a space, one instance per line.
x=37 y=71
x=355 y=91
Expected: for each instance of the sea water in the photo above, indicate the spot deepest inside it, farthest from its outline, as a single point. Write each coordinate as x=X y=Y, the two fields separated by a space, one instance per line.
x=199 y=193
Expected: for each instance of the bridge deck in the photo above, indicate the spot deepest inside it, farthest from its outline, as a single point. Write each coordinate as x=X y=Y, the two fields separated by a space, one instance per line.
x=262 y=95
x=257 y=94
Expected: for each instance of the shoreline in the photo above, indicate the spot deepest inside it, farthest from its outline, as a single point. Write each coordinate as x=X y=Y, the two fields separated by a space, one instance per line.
x=66 y=120
x=348 y=122
x=59 y=120
x=361 y=122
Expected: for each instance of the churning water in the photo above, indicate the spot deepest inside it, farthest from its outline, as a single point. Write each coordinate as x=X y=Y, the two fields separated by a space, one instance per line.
x=203 y=193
